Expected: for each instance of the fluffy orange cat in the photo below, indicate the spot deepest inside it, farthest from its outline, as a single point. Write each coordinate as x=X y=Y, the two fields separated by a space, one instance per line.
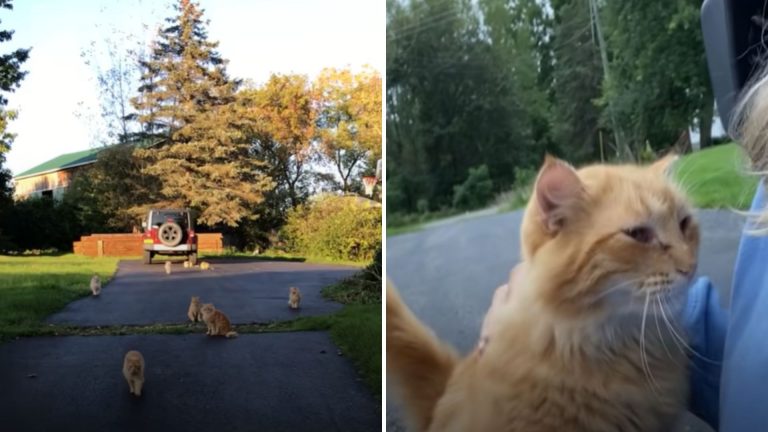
x=95 y=285
x=585 y=342
x=294 y=297
x=218 y=323
x=133 y=371
x=194 y=313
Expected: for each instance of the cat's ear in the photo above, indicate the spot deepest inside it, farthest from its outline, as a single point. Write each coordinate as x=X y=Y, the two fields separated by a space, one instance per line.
x=664 y=165
x=557 y=189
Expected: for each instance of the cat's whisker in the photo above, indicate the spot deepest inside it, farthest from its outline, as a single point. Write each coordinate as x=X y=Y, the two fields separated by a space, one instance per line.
x=618 y=287
x=661 y=337
x=667 y=324
x=677 y=344
x=681 y=339
x=643 y=355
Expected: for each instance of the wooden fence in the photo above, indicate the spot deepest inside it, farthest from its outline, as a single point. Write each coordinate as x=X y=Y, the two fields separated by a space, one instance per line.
x=96 y=245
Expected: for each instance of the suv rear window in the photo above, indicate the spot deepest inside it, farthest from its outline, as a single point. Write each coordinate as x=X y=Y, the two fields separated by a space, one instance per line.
x=159 y=218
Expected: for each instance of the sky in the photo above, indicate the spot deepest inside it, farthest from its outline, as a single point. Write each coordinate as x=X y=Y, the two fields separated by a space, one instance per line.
x=258 y=37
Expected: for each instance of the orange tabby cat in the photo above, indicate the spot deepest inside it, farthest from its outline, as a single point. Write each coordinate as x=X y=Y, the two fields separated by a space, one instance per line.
x=218 y=323
x=194 y=313
x=294 y=297
x=133 y=371
x=585 y=341
x=95 y=285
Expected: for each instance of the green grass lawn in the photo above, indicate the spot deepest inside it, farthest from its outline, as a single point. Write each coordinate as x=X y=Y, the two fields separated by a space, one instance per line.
x=398 y=224
x=33 y=287
x=404 y=229
x=717 y=177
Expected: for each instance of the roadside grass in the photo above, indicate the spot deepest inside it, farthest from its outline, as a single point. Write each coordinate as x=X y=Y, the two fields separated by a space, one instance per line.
x=403 y=229
x=398 y=223
x=717 y=177
x=271 y=255
x=33 y=287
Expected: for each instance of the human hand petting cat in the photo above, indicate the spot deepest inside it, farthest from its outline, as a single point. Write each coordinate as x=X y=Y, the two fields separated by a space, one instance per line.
x=500 y=298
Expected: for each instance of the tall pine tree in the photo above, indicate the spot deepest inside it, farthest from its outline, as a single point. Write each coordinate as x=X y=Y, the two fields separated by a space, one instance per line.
x=187 y=97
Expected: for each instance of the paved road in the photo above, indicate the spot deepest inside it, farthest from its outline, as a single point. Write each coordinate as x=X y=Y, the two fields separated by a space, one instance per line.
x=247 y=291
x=448 y=272
x=270 y=382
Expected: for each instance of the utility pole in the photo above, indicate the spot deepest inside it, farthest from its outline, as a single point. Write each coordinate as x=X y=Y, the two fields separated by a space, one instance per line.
x=595 y=20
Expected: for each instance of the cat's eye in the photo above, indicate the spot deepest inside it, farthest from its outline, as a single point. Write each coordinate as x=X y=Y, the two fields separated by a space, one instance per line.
x=641 y=234
x=685 y=223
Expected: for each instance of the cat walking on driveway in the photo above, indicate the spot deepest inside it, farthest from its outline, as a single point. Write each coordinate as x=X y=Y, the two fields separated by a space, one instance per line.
x=294 y=297
x=95 y=285
x=133 y=371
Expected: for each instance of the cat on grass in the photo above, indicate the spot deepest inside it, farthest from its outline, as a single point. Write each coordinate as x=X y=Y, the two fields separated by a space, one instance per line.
x=294 y=298
x=194 y=313
x=218 y=323
x=95 y=285
x=587 y=339
x=133 y=371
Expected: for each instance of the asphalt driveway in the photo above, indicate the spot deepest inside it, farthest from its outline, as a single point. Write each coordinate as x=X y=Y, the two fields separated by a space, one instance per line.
x=265 y=382
x=247 y=291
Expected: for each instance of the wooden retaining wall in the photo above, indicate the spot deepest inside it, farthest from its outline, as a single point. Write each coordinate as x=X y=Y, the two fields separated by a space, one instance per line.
x=96 y=245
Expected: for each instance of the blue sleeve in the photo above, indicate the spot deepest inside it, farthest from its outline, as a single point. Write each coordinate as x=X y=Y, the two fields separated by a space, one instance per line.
x=744 y=381
x=705 y=322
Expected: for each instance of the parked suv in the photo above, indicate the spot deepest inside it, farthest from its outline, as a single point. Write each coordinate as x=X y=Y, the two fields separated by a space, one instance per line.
x=169 y=232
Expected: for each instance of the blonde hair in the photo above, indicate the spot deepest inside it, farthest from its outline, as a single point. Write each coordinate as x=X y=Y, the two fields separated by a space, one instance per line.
x=749 y=126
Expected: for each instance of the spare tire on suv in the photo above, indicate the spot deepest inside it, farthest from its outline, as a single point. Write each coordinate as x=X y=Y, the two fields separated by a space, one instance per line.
x=169 y=232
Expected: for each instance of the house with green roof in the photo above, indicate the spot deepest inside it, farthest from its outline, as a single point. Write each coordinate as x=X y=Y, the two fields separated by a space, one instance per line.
x=51 y=178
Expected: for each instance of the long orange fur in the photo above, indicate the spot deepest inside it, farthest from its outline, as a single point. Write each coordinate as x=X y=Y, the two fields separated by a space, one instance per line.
x=571 y=351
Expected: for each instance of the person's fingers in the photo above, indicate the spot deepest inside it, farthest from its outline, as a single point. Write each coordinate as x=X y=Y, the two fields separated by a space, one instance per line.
x=517 y=275
x=500 y=297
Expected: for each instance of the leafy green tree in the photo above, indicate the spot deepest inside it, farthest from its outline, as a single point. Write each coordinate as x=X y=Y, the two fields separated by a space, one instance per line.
x=349 y=120
x=282 y=116
x=660 y=85
x=575 y=119
x=455 y=101
x=186 y=96
x=105 y=195
x=11 y=76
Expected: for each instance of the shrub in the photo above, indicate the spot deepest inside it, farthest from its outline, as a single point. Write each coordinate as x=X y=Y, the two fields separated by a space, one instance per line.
x=476 y=191
x=41 y=223
x=364 y=287
x=342 y=228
